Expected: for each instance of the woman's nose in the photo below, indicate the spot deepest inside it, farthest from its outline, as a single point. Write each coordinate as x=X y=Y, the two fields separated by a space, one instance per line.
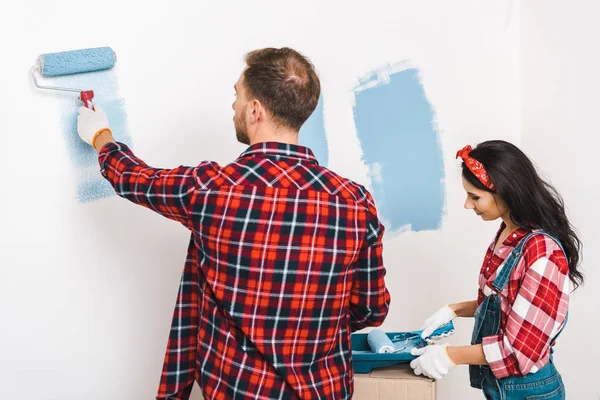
x=468 y=204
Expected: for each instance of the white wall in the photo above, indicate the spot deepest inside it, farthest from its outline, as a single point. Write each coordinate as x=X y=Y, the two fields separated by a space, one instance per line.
x=87 y=290
x=559 y=97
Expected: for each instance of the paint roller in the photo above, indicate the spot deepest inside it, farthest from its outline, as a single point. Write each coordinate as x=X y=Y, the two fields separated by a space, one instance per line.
x=379 y=342
x=74 y=62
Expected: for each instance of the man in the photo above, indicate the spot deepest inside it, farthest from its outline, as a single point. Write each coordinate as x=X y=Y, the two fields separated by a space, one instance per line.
x=285 y=256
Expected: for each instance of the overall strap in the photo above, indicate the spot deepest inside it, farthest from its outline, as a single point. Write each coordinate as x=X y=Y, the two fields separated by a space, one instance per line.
x=560 y=330
x=513 y=259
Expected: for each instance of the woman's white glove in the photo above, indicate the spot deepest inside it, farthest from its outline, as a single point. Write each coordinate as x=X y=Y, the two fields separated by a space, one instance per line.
x=441 y=317
x=90 y=123
x=432 y=361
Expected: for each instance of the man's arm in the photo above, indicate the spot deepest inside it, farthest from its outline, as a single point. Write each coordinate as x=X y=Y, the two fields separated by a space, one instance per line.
x=103 y=137
x=166 y=191
x=370 y=299
x=169 y=192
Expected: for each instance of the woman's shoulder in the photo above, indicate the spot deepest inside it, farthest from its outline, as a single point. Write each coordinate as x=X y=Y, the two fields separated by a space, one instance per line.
x=544 y=248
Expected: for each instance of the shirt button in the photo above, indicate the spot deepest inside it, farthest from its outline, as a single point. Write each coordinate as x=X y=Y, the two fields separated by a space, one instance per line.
x=514 y=235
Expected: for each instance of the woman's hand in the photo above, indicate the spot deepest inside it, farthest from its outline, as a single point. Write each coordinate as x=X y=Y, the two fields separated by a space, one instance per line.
x=439 y=318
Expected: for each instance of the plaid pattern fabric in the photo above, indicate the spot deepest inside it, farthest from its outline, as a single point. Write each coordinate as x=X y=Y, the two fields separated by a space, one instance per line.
x=534 y=303
x=284 y=262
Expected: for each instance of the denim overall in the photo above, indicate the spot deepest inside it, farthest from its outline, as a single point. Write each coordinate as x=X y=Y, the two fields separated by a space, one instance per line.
x=544 y=384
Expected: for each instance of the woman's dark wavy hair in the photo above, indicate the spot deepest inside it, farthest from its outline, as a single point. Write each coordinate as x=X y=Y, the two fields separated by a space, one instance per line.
x=533 y=203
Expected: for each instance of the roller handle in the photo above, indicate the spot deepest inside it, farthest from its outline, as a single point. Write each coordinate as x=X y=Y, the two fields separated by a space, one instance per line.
x=86 y=97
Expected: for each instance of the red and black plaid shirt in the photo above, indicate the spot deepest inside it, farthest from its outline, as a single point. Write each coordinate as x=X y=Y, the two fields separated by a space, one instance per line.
x=284 y=262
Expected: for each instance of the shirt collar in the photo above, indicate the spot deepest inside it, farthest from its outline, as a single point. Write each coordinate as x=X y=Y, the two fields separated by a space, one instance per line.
x=514 y=238
x=280 y=151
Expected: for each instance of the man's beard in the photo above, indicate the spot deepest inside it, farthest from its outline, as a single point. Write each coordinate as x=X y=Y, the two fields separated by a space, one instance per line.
x=241 y=132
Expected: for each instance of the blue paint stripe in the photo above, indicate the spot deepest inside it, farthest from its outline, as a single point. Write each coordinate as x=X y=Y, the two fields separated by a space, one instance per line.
x=312 y=135
x=395 y=126
x=90 y=184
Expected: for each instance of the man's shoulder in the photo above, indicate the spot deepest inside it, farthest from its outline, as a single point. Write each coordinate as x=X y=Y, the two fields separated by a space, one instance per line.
x=207 y=173
x=347 y=187
x=252 y=171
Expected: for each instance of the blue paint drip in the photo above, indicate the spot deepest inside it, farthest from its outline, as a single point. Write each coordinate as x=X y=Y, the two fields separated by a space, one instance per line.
x=90 y=184
x=312 y=135
x=394 y=123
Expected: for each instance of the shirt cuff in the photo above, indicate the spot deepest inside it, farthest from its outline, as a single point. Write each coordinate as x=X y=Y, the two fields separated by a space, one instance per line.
x=493 y=350
x=109 y=146
x=106 y=151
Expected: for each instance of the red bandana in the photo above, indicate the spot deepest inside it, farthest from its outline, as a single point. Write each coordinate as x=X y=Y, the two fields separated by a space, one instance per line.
x=475 y=167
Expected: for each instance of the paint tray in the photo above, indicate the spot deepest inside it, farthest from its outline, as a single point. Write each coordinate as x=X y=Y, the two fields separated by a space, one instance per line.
x=364 y=360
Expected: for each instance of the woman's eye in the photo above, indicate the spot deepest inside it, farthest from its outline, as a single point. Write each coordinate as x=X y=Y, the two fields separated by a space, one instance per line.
x=475 y=198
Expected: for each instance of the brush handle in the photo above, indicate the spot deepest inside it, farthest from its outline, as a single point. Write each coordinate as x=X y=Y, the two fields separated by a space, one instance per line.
x=86 y=97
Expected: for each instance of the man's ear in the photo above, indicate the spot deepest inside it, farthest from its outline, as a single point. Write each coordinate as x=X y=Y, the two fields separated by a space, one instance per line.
x=255 y=111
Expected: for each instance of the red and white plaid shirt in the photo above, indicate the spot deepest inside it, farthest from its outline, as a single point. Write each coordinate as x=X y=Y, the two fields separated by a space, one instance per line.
x=534 y=303
x=284 y=262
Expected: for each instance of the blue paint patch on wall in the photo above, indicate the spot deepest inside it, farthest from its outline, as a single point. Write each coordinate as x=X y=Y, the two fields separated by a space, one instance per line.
x=400 y=146
x=90 y=185
x=312 y=135
x=93 y=188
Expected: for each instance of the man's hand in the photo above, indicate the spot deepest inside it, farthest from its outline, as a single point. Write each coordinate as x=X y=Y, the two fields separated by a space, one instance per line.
x=90 y=124
x=432 y=361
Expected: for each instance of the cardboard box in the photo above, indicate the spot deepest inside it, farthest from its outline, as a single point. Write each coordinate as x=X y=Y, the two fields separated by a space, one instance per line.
x=396 y=382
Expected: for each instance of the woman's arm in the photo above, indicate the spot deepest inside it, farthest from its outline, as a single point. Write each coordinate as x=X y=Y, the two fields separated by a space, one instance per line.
x=469 y=355
x=465 y=309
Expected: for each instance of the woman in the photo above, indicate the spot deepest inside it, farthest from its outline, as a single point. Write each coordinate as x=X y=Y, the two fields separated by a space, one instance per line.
x=524 y=283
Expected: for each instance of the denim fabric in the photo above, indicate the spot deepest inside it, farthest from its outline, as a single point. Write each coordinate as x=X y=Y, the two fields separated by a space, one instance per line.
x=545 y=384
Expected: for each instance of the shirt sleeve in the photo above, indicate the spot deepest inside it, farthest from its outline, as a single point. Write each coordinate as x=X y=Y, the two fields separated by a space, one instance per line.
x=370 y=299
x=537 y=314
x=166 y=191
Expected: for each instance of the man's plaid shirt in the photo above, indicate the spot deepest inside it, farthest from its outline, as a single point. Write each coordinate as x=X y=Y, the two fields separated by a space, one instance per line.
x=284 y=262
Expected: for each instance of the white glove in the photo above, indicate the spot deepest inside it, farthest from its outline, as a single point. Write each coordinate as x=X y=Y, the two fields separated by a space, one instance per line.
x=90 y=123
x=433 y=361
x=440 y=318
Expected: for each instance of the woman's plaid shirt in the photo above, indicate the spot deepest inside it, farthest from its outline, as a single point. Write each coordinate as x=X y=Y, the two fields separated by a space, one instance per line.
x=284 y=262
x=533 y=304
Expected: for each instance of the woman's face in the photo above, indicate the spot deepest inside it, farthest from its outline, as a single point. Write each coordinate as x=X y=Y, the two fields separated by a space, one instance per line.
x=485 y=204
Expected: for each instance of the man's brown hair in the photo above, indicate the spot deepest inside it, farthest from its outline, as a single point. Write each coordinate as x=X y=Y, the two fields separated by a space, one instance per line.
x=285 y=82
